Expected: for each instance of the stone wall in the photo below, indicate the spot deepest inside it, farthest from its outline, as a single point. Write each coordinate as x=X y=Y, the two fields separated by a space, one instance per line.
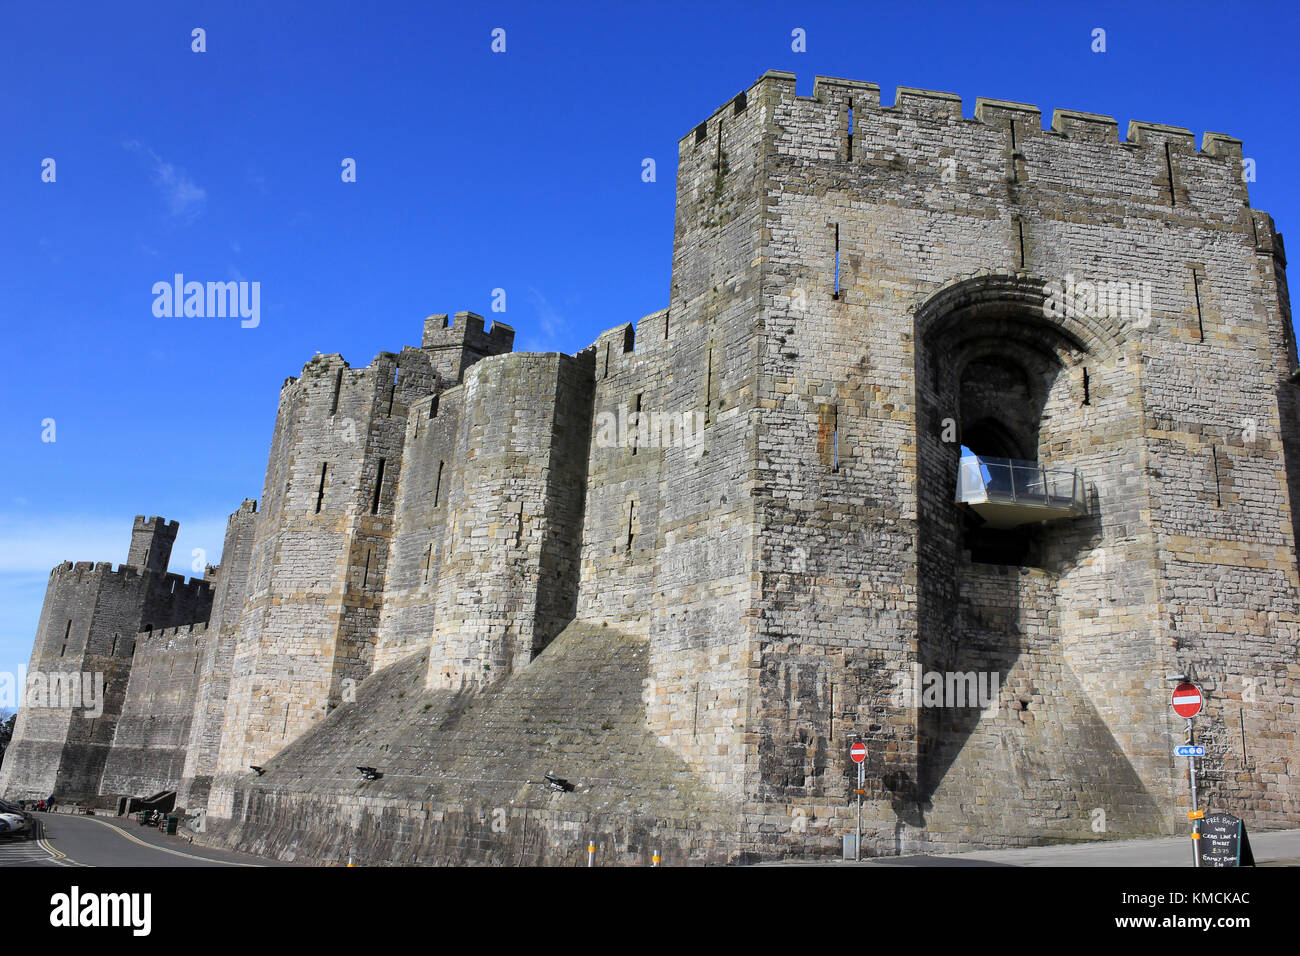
x=152 y=735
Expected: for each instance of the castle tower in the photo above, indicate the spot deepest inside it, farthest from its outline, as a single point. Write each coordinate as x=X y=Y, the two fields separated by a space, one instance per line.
x=507 y=565
x=1021 y=322
x=91 y=621
x=811 y=566
x=454 y=344
x=230 y=586
x=151 y=543
x=318 y=560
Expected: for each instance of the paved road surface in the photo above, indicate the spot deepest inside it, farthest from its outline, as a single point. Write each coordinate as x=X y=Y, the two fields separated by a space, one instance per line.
x=1272 y=848
x=70 y=840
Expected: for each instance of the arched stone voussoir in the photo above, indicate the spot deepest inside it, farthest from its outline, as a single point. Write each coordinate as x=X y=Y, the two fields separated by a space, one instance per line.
x=1021 y=296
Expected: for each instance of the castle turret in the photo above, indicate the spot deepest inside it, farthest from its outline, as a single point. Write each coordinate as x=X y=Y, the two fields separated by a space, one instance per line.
x=456 y=345
x=151 y=543
x=319 y=551
x=230 y=588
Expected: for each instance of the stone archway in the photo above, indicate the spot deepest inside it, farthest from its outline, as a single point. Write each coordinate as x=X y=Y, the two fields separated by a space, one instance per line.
x=994 y=358
x=997 y=359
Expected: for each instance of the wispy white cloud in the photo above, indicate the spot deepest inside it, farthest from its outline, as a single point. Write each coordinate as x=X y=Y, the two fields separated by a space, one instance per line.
x=550 y=328
x=184 y=197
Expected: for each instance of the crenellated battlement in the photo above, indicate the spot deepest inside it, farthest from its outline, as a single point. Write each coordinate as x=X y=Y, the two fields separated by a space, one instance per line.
x=320 y=365
x=155 y=524
x=613 y=349
x=935 y=105
x=995 y=112
x=83 y=570
x=456 y=343
x=163 y=636
x=620 y=347
x=467 y=329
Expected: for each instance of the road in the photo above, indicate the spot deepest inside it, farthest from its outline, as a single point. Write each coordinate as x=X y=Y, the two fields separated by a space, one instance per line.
x=70 y=840
x=1270 y=848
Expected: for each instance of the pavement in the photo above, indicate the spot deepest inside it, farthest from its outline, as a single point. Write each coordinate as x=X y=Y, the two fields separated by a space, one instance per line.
x=82 y=840
x=1270 y=848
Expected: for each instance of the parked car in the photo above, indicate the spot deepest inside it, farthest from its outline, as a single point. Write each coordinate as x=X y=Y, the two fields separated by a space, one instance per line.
x=16 y=823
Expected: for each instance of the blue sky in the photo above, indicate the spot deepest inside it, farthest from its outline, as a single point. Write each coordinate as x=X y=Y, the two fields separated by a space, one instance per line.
x=475 y=170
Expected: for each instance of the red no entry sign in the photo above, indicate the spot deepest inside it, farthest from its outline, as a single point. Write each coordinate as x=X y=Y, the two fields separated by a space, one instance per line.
x=858 y=752
x=1187 y=700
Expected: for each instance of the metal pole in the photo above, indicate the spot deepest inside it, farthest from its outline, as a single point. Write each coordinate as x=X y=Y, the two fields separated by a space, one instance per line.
x=857 y=839
x=591 y=853
x=1196 y=824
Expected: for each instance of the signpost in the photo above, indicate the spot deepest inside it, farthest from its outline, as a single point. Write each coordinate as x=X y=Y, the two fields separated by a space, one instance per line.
x=1188 y=701
x=859 y=754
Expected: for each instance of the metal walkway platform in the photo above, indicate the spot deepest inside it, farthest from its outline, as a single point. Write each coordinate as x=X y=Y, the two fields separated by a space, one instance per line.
x=1007 y=493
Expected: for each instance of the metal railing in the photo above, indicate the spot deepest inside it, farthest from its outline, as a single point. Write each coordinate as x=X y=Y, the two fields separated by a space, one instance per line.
x=1009 y=481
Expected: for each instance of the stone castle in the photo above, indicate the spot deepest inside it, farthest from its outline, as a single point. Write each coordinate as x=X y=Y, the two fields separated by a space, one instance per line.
x=473 y=621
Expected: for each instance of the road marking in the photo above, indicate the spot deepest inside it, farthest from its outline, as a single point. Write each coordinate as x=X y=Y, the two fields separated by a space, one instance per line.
x=32 y=852
x=58 y=856
x=55 y=854
x=162 y=849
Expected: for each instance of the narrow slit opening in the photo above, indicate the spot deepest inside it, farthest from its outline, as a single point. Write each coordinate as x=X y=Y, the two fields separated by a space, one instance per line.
x=708 y=388
x=320 y=491
x=338 y=387
x=849 y=157
x=637 y=424
x=1196 y=292
x=379 y=487
x=1169 y=166
x=835 y=440
x=837 y=261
